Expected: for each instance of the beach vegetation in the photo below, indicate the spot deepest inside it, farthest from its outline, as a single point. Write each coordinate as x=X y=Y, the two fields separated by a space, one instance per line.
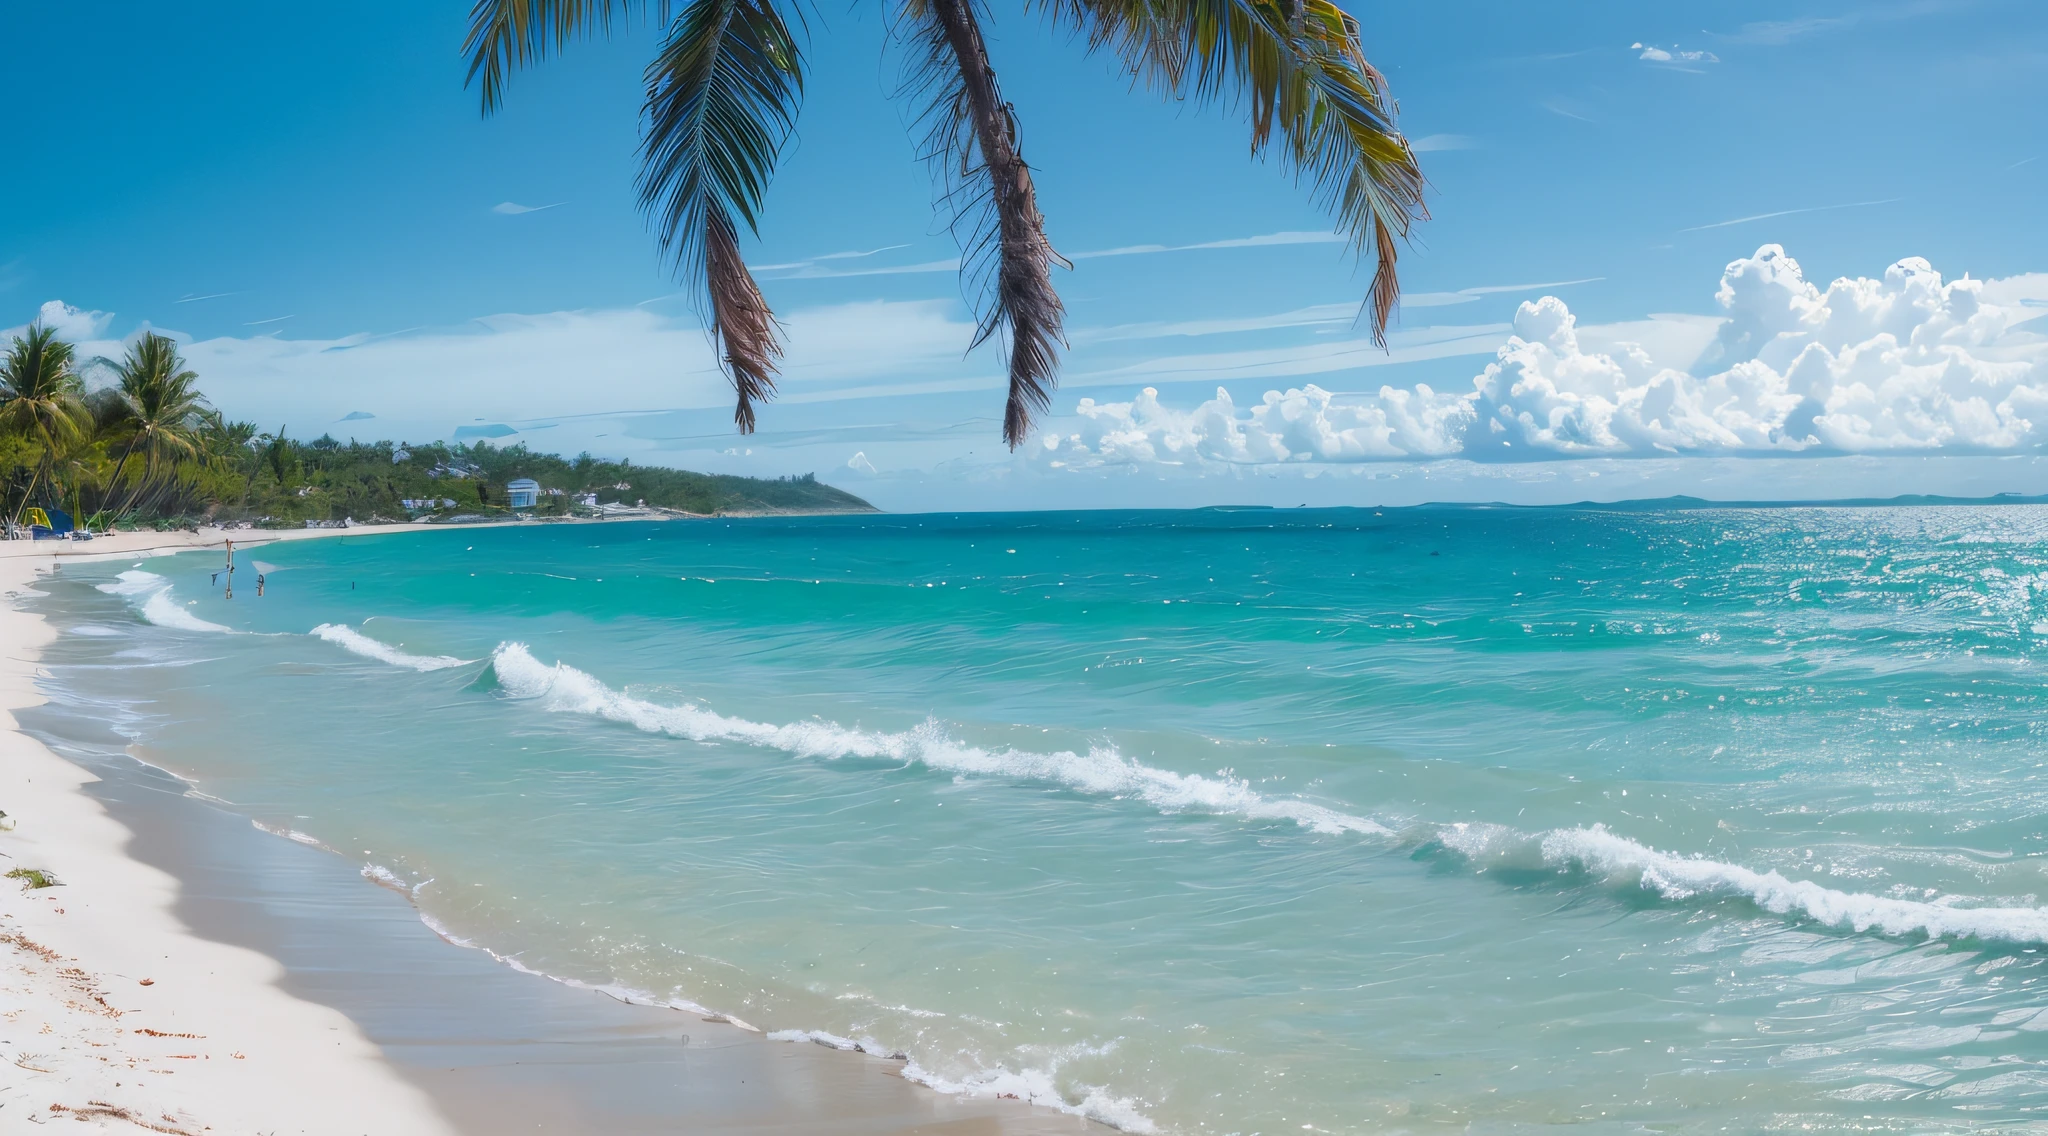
x=726 y=81
x=40 y=404
x=147 y=450
x=33 y=877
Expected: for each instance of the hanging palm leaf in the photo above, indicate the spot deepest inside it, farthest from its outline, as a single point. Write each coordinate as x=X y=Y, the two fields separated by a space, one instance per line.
x=722 y=96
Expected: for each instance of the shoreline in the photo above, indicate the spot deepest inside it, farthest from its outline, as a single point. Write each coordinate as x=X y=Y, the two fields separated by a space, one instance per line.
x=423 y=1022
x=124 y=1016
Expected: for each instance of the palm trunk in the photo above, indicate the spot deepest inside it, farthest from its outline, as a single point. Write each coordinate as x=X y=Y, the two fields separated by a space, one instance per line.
x=28 y=493
x=122 y=465
x=1024 y=294
x=148 y=475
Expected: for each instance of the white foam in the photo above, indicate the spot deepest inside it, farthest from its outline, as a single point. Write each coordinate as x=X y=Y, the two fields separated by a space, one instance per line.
x=1599 y=852
x=820 y=1037
x=134 y=583
x=1041 y=1087
x=350 y=639
x=156 y=604
x=1102 y=770
x=1603 y=853
x=293 y=835
x=384 y=877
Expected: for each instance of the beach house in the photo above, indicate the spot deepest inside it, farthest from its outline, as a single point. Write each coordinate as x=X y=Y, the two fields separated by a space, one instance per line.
x=522 y=493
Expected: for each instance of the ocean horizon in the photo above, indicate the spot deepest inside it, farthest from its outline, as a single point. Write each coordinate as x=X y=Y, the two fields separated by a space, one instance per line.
x=1660 y=814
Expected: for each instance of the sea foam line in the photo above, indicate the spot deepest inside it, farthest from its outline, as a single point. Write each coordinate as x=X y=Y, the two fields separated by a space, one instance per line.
x=1595 y=850
x=1102 y=770
x=1599 y=852
x=151 y=595
x=349 y=639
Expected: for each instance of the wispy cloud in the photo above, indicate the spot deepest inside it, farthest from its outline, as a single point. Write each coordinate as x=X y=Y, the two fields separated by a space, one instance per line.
x=1315 y=315
x=1264 y=241
x=1433 y=142
x=1405 y=346
x=188 y=298
x=1468 y=295
x=1778 y=33
x=1312 y=316
x=1787 y=213
x=513 y=208
x=273 y=319
x=1562 y=109
x=812 y=270
x=854 y=255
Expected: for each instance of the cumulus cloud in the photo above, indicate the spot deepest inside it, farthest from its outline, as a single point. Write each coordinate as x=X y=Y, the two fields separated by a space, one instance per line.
x=72 y=324
x=1905 y=363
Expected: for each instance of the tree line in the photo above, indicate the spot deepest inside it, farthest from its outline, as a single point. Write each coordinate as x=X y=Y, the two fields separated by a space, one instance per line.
x=148 y=450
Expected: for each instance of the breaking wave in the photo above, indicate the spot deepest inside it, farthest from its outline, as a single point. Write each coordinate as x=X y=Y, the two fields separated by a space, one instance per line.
x=1102 y=770
x=151 y=595
x=350 y=639
x=1595 y=851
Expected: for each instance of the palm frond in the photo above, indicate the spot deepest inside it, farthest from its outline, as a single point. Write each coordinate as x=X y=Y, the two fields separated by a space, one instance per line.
x=39 y=389
x=163 y=409
x=722 y=96
x=971 y=143
x=1300 y=66
x=506 y=35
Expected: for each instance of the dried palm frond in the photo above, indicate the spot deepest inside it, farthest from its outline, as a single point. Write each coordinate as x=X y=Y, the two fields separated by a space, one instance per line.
x=971 y=143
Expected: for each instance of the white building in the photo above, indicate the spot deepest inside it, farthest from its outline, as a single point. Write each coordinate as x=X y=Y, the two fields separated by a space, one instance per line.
x=522 y=493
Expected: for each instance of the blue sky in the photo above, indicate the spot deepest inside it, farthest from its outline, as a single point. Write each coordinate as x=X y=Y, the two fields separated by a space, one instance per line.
x=307 y=195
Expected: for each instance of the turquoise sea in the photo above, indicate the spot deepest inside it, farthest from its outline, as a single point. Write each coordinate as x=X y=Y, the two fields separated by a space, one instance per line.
x=1407 y=820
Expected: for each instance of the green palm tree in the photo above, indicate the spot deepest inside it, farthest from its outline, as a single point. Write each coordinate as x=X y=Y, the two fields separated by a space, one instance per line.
x=722 y=96
x=39 y=398
x=160 y=411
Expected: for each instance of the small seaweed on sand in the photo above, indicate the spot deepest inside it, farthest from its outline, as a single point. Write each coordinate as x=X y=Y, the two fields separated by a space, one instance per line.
x=33 y=877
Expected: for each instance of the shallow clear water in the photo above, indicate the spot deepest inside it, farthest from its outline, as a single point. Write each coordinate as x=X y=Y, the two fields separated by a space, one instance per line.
x=1349 y=821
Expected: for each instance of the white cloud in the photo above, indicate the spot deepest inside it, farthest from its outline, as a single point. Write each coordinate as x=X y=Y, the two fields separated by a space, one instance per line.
x=72 y=324
x=1300 y=425
x=1905 y=363
x=513 y=208
x=1654 y=54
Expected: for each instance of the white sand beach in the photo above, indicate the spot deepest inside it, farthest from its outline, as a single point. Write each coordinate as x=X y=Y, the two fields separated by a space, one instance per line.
x=115 y=1014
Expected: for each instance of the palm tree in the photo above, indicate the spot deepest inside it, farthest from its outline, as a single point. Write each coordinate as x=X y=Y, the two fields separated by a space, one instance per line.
x=39 y=397
x=722 y=95
x=160 y=406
